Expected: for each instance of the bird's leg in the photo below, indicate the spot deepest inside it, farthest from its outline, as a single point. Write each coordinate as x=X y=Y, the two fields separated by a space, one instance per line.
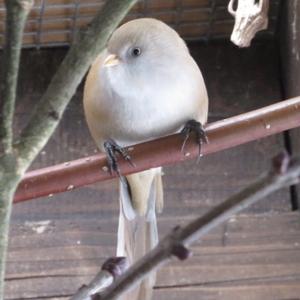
x=196 y=127
x=111 y=149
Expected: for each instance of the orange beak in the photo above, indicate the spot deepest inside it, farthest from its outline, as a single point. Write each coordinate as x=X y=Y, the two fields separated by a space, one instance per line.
x=111 y=60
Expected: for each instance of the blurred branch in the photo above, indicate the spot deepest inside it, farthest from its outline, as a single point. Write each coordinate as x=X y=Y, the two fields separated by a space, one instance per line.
x=111 y=268
x=17 y=12
x=283 y=173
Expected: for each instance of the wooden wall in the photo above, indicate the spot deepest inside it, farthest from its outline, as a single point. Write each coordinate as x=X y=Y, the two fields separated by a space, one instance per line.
x=55 y=22
x=58 y=243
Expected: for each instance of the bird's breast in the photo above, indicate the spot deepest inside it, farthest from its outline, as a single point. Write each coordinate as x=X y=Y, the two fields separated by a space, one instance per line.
x=137 y=111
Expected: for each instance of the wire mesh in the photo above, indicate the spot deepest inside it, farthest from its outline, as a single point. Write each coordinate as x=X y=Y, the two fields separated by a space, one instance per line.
x=55 y=22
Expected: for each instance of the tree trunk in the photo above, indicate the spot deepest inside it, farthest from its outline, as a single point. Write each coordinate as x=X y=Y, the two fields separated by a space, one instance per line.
x=9 y=179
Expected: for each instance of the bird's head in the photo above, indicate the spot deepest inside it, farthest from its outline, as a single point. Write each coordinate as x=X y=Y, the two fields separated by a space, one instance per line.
x=144 y=46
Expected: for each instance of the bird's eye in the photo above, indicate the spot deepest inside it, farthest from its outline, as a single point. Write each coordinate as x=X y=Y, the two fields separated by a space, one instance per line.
x=136 y=52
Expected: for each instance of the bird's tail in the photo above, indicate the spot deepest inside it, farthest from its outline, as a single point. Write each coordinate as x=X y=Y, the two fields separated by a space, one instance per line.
x=141 y=195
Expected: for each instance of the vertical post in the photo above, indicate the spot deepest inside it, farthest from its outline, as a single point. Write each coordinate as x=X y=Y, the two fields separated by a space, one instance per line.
x=289 y=39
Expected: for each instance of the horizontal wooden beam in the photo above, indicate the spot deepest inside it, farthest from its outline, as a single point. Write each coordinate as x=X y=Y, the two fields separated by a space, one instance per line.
x=222 y=135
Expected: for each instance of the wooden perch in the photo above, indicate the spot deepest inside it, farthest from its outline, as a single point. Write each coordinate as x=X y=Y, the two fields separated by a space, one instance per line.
x=222 y=135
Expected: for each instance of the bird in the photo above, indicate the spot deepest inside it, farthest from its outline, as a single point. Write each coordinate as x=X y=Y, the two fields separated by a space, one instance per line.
x=143 y=85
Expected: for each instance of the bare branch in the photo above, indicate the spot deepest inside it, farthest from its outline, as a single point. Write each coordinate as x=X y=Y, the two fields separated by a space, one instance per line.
x=282 y=174
x=17 y=12
x=111 y=268
x=83 y=52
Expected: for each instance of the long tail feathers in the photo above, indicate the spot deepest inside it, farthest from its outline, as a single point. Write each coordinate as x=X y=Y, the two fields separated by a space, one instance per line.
x=137 y=233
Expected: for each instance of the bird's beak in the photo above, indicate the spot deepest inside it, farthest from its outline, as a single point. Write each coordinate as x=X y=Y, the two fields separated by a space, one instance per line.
x=111 y=60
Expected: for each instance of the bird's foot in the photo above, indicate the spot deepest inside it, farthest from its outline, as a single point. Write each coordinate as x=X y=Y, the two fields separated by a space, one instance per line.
x=112 y=149
x=197 y=128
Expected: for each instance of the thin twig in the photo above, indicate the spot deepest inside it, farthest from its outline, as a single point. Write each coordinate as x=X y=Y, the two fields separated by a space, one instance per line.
x=86 y=47
x=111 y=268
x=283 y=173
x=17 y=12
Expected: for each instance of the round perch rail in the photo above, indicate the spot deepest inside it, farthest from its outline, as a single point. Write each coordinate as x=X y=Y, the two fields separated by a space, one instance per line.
x=222 y=135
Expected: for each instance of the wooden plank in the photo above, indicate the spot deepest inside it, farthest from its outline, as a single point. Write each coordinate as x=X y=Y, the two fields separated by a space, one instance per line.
x=244 y=257
x=52 y=28
x=285 y=290
x=46 y=288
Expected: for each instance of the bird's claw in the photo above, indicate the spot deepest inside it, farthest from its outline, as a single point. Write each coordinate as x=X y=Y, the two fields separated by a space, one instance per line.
x=111 y=149
x=197 y=128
